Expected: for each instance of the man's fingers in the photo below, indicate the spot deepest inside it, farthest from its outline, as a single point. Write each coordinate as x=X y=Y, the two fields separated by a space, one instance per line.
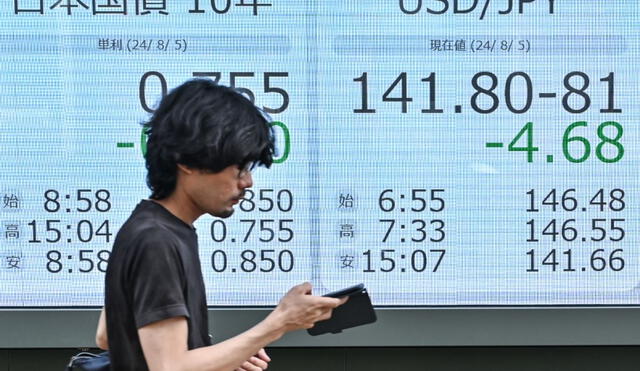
x=262 y=354
x=301 y=289
x=305 y=288
x=322 y=301
x=326 y=315
x=343 y=300
x=247 y=366
x=258 y=362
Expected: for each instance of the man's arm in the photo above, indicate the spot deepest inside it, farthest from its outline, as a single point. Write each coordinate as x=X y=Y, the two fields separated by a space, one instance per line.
x=101 y=333
x=164 y=343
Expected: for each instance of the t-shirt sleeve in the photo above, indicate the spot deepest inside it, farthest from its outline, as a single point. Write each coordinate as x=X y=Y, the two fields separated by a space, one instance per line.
x=156 y=281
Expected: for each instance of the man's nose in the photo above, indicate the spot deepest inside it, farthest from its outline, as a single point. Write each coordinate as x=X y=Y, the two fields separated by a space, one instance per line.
x=246 y=181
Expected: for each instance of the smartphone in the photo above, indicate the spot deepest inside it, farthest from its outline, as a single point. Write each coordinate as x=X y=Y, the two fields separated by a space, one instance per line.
x=356 y=311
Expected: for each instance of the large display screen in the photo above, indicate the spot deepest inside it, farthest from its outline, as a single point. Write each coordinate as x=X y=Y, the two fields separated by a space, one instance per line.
x=443 y=152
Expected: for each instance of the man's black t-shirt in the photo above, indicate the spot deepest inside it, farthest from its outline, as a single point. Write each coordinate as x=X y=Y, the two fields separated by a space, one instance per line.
x=153 y=274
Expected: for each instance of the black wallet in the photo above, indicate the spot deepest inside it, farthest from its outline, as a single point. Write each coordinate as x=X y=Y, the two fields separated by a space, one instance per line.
x=355 y=312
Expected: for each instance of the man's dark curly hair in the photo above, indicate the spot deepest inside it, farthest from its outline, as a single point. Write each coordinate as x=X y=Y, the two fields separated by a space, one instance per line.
x=204 y=126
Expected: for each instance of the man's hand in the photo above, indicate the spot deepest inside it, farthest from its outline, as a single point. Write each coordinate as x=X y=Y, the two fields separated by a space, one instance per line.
x=298 y=309
x=258 y=362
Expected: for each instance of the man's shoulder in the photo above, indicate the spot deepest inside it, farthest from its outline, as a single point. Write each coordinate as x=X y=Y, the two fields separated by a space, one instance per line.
x=149 y=216
x=138 y=225
x=142 y=231
x=144 y=227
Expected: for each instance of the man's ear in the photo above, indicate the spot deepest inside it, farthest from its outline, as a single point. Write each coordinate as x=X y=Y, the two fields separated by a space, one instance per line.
x=185 y=169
